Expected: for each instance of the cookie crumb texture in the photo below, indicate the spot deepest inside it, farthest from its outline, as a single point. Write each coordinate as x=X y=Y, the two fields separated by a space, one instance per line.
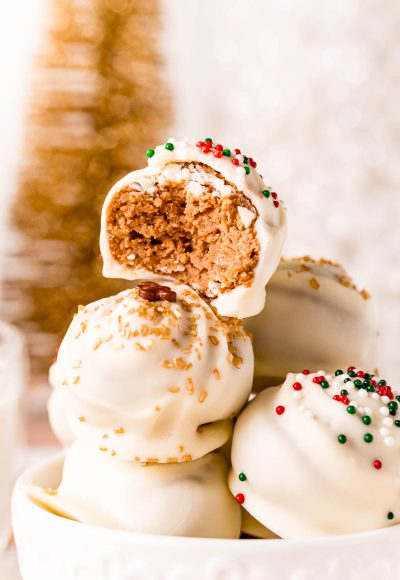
x=187 y=229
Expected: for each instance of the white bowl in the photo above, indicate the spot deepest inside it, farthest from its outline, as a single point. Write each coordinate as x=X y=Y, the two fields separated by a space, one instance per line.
x=54 y=548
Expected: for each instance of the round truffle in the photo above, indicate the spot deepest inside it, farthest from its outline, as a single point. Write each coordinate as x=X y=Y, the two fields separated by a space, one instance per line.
x=189 y=499
x=314 y=318
x=154 y=374
x=199 y=214
x=329 y=460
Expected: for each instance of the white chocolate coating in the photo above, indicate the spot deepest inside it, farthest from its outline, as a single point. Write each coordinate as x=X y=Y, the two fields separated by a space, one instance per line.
x=188 y=499
x=252 y=527
x=153 y=381
x=270 y=224
x=301 y=481
x=313 y=318
x=56 y=409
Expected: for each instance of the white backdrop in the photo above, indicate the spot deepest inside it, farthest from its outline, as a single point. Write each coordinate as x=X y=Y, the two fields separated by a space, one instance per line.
x=310 y=89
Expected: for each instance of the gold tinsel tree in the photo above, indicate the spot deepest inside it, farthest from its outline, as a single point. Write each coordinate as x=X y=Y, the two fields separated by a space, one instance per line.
x=97 y=104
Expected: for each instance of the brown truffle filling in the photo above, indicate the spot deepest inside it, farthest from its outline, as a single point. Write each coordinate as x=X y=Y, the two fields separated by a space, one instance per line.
x=199 y=239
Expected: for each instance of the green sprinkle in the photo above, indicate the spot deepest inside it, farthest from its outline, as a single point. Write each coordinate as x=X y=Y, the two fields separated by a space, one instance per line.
x=344 y=392
x=382 y=382
x=351 y=409
x=371 y=389
x=358 y=383
x=242 y=477
x=342 y=439
x=245 y=159
x=266 y=193
x=398 y=397
x=338 y=372
x=367 y=376
x=393 y=407
x=368 y=438
x=169 y=146
x=226 y=152
x=397 y=423
x=347 y=380
x=324 y=384
x=208 y=140
x=390 y=515
x=352 y=374
x=366 y=383
x=366 y=420
x=150 y=152
x=247 y=170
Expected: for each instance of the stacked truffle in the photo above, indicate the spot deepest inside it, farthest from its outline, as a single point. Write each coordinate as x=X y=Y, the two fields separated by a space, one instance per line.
x=148 y=383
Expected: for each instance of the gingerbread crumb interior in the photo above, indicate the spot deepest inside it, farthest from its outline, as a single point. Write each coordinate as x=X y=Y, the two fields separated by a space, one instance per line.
x=198 y=239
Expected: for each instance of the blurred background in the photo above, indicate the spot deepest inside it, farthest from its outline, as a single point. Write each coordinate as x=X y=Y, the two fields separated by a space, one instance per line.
x=310 y=89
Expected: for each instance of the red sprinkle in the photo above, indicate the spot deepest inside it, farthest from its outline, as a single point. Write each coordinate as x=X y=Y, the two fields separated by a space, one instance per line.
x=306 y=372
x=274 y=195
x=297 y=386
x=377 y=464
x=342 y=398
x=360 y=374
x=200 y=144
x=280 y=410
x=276 y=203
x=318 y=379
x=374 y=383
x=206 y=150
x=252 y=162
x=350 y=368
x=237 y=151
x=217 y=153
x=219 y=147
x=240 y=498
x=235 y=161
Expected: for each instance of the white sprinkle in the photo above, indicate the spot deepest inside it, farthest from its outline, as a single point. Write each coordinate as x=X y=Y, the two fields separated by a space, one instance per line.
x=240 y=171
x=384 y=431
x=354 y=403
x=389 y=441
x=328 y=377
x=360 y=410
x=299 y=377
x=363 y=393
x=239 y=157
x=131 y=256
x=321 y=373
x=387 y=421
x=297 y=395
x=384 y=411
x=171 y=140
x=385 y=399
x=367 y=410
x=375 y=396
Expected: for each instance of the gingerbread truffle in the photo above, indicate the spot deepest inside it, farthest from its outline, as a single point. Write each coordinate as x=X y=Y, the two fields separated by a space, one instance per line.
x=152 y=374
x=200 y=214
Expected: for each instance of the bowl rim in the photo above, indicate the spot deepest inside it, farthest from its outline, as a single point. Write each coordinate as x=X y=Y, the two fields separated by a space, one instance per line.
x=19 y=496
